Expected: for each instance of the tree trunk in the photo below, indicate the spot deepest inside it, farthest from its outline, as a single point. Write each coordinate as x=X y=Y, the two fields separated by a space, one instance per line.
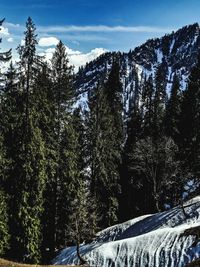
x=82 y=261
x=183 y=210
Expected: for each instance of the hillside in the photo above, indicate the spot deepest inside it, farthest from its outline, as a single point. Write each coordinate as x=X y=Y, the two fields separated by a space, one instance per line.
x=166 y=239
x=177 y=52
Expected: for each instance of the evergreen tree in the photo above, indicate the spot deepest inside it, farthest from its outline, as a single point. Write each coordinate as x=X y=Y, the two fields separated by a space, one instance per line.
x=173 y=109
x=114 y=93
x=28 y=66
x=189 y=124
x=147 y=107
x=64 y=172
x=28 y=174
x=104 y=155
x=130 y=193
x=160 y=98
x=44 y=103
x=4 y=169
x=4 y=231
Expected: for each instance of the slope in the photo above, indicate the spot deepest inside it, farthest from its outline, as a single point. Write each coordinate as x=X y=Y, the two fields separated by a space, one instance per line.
x=162 y=239
x=178 y=52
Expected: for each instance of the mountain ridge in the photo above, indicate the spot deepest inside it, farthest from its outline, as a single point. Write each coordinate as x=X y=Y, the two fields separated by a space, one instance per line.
x=178 y=51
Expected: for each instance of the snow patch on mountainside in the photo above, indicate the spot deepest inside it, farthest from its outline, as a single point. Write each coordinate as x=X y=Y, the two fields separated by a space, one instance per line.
x=178 y=50
x=156 y=240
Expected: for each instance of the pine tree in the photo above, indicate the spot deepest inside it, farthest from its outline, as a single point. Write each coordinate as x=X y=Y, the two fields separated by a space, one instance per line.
x=28 y=174
x=173 y=109
x=147 y=107
x=45 y=108
x=105 y=154
x=4 y=230
x=129 y=192
x=114 y=98
x=63 y=94
x=160 y=98
x=189 y=124
x=4 y=169
x=29 y=63
x=114 y=93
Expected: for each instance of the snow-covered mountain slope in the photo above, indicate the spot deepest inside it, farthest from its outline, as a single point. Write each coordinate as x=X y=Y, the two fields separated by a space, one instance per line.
x=178 y=52
x=166 y=239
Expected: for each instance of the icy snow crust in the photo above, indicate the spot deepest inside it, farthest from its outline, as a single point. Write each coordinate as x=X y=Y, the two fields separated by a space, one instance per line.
x=156 y=240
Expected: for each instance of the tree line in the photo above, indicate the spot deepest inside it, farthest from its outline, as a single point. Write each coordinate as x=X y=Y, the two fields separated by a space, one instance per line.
x=66 y=173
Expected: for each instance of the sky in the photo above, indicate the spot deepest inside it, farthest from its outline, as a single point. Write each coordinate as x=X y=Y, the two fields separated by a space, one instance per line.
x=89 y=28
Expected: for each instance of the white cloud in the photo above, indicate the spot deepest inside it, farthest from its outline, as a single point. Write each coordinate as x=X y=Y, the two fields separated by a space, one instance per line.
x=48 y=41
x=103 y=28
x=83 y=58
x=48 y=53
x=4 y=31
x=71 y=52
x=76 y=58
x=10 y=39
x=94 y=28
x=12 y=25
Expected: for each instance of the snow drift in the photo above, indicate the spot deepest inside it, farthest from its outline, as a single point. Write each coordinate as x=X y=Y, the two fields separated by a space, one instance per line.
x=162 y=239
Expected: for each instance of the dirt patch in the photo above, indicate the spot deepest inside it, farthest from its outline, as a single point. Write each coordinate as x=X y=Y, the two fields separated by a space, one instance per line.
x=5 y=263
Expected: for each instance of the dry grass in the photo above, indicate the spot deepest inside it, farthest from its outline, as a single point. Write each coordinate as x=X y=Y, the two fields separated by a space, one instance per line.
x=194 y=264
x=5 y=263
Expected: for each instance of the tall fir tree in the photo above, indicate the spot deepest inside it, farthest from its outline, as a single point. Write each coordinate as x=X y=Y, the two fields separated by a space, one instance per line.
x=4 y=229
x=28 y=161
x=4 y=167
x=114 y=95
x=127 y=178
x=63 y=92
x=105 y=136
x=160 y=98
x=45 y=109
x=147 y=107
x=173 y=110
x=189 y=124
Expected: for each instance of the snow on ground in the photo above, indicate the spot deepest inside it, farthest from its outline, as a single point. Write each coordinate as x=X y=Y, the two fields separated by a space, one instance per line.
x=155 y=240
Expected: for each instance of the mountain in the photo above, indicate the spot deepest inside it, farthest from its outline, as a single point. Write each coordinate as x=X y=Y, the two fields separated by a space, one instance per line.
x=166 y=239
x=178 y=52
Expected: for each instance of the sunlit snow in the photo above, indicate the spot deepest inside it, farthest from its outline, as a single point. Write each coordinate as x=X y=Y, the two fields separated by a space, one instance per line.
x=156 y=240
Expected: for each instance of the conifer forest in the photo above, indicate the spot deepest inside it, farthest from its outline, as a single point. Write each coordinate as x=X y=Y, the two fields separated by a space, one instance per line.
x=68 y=172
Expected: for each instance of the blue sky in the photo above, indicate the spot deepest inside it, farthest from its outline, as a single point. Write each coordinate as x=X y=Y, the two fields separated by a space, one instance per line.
x=95 y=25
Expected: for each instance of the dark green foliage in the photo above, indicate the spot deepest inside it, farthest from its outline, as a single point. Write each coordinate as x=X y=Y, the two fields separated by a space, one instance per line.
x=113 y=92
x=159 y=99
x=4 y=172
x=189 y=123
x=129 y=194
x=26 y=150
x=29 y=205
x=4 y=231
x=173 y=110
x=105 y=151
x=147 y=107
